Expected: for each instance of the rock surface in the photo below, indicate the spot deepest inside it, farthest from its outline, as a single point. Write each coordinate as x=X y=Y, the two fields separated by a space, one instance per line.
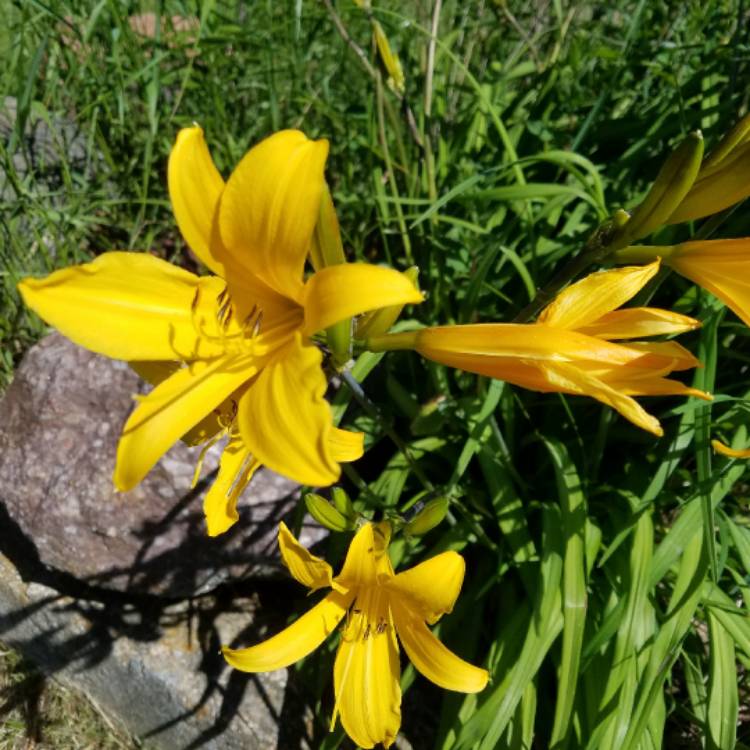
x=60 y=421
x=155 y=667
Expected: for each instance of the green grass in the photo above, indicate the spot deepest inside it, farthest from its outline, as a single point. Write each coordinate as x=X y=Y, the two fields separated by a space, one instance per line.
x=612 y=605
x=36 y=711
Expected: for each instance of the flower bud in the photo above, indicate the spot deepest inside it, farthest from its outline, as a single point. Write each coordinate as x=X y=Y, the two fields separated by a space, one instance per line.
x=717 y=187
x=390 y=60
x=343 y=504
x=672 y=184
x=325 y=514
x=431 y=514
x=737 y=136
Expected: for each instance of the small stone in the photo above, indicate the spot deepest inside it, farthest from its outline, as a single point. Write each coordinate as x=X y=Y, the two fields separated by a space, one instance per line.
x=60 y=421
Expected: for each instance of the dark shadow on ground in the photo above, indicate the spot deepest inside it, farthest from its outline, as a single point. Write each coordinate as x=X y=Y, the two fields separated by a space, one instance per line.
x=111 y=616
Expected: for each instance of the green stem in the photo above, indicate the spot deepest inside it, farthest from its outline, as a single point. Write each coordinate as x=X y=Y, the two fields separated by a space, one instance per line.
x=392 y=341
x=643 y=253
x=390 y=173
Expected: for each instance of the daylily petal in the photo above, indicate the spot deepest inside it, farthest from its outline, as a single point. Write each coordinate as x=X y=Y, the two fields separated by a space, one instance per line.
x=252 y=298
x=598 y=293
x=295 y=642
x=155 y=371
x=309 y=570
x=639 y=322
x=720 y=266
x=569 y=379
x=339 y=292
x=367 y=559
x=285 y=420
x=194 y=189
x=366 y=676
x=479 y=345
x=436 y=662
x=666 y=355
x=129 y=306
x=221 y=417
x=171 y=409
x=725 y=450
x=345 y=445
x=651 y=385
x=236 y=469
x=270 y=206
x=432 y=586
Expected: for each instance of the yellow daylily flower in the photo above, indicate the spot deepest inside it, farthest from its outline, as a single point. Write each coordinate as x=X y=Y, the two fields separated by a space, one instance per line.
x=378 y=605
x=229 y=354
x=720 y=266
x=572 y=347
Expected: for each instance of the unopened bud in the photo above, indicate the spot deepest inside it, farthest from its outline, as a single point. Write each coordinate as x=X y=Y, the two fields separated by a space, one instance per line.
x=325 y=514
x=343 y=503
x=432 y=513
x=717 y=187
x=378 y=322
x=737 y=136
x=390 y=60
x=672 y=184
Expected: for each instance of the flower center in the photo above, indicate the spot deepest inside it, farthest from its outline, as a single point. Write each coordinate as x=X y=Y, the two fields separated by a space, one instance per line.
x=370 y=615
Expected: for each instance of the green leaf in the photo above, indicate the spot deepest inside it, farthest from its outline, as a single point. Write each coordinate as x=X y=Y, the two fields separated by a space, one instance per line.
x=722 y=687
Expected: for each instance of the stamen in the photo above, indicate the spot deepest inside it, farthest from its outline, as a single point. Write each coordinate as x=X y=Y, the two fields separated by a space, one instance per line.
x=226 y=305
x=249 y=316
x=256 y=327
x=199 y=465
x=239 y=477
x=224 y=420
x=228 y=318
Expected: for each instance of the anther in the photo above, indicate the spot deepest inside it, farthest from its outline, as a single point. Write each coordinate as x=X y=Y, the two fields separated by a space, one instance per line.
x=223 y=309
x=228 y=318
x=256 y=327
x=249 y=316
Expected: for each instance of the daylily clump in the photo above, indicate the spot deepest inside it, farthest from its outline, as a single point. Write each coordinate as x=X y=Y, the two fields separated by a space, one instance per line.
x=580 y=344
x=230 y=355
x=377 y=605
